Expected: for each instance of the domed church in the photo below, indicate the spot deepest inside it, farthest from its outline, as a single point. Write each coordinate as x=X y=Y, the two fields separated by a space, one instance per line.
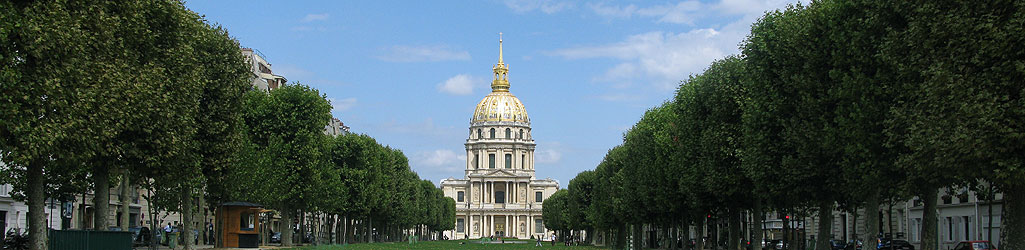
x=499 y=196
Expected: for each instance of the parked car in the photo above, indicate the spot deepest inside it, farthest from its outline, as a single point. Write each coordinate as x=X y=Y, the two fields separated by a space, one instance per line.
x=975 y=245
x=768 y=244
x=141 y=235
x=275 y=238
x=884 y=244
x=854 y=245
x=837 y=244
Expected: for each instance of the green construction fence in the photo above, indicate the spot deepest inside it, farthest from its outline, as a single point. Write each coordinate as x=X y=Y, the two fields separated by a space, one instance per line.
x=89 y=240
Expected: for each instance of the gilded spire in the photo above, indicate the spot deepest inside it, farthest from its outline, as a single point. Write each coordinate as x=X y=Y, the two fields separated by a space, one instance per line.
x=501 y=81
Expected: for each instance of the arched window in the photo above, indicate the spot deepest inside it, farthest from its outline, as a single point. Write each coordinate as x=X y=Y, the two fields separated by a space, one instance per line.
x=476 y=162
x=521 y=134
x=492 y=133
x=508 y=133
x=479 y=134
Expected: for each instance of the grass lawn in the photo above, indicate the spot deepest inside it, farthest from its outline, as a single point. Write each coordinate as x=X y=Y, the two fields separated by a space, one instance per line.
x=450 y=244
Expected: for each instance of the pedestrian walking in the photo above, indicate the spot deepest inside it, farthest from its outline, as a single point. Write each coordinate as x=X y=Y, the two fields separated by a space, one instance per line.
x=538 y=242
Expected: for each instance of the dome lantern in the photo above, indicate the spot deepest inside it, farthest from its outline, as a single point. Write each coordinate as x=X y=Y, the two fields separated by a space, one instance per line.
x=500 y=105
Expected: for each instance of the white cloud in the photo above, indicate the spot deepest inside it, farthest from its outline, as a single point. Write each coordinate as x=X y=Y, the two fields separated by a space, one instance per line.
x=686 y=12
x=441 y=159
x=315 y=17
x=343 y=104
x=660 y=57
x=423 y=54
x=547 y=156
x=461 y=84
x=546 y=6
x=750 y=7
x=664 y=58
x=680 y=13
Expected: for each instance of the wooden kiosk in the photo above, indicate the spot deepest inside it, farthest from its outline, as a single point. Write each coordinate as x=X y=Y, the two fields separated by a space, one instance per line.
x=241 y=226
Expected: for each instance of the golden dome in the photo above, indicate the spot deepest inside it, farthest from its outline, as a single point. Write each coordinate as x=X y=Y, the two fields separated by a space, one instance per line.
x=500 y=105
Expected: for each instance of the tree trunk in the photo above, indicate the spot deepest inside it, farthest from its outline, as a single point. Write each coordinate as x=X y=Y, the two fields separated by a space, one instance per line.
x=825 y=222
x=152 y=218
x=686 y=235
x=202 y=215
x=331 y=222
x=1013 y=220
x=989 y=214
x=286 y=227
x=638 y=241
x=734 y=233
x=101 y=199
x=855 y=227
x=889 y=218
x=370 y=230
x=219 y=227
x=929 y=220
x=756 y=229
x=621 y=236
x=187 y=219
x=36 y=208
x=345 y=230
x=125 y=200
x=590 y=236
x=674 y=234
x=302 y=228
x=871 y=217
x=81 y=212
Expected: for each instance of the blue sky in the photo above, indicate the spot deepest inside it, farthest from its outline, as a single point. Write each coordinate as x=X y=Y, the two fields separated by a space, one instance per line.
x=409 y=73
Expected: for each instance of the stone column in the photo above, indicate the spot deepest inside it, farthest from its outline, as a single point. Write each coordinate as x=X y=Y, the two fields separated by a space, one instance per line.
x=515 y=231
x=530 y=225
x=491 y=225
x=516 y=189
x=468 y=230
x=530 y=160
x=514 y=228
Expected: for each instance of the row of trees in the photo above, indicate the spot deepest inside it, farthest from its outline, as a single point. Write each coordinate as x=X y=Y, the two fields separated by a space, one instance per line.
x=95 y=94
x=833 y=105
x=349 y=182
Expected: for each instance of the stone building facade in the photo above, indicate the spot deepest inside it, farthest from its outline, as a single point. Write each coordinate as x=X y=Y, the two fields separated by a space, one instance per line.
x=499 y=195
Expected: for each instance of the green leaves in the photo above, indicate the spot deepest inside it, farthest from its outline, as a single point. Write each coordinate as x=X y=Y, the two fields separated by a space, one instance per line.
x=554 y=211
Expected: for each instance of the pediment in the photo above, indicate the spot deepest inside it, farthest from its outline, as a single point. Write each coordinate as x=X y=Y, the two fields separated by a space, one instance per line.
x=500 y=173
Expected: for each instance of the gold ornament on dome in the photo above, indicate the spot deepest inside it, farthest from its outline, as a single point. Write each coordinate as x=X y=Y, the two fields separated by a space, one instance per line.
x=500 y=105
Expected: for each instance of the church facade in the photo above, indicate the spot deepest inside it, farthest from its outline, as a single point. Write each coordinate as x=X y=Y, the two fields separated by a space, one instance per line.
x=499 y=195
